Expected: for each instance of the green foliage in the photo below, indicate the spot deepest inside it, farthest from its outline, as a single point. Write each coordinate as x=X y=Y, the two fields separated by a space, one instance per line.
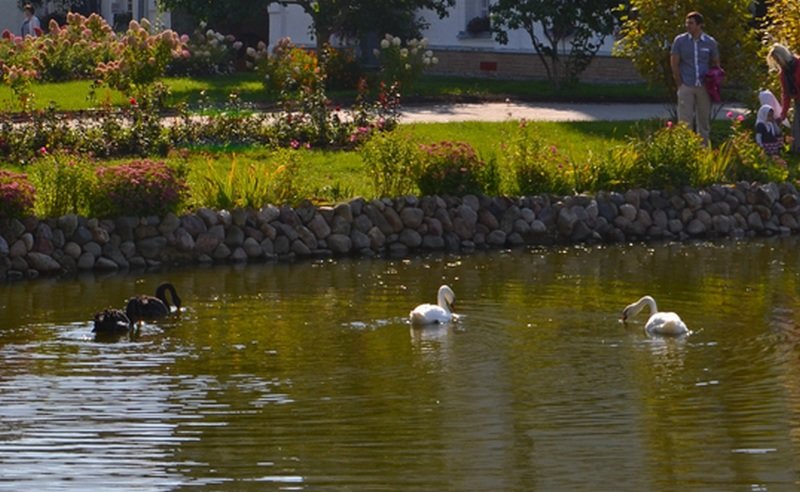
x=650 y=26
x=16 y=195
x=554 y=24
x=782 y=23
x=138 y=188
x=390 y=161
x=63 y=184
x=246 y=186
x=668 y=157
x=449 y=168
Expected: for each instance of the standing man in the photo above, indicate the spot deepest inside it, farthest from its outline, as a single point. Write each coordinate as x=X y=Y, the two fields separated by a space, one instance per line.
x=31 y=23
x=691 y=56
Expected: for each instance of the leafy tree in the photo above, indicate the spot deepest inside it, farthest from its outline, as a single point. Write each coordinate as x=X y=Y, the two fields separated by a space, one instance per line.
x=782 y=23
x=649 y=27
x=566 y=34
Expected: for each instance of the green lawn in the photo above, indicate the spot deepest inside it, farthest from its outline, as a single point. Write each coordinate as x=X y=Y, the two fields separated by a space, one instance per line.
x=73 y=96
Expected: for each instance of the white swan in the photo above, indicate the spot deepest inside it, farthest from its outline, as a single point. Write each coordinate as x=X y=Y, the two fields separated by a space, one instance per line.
x=426 y=314
x=665 y=323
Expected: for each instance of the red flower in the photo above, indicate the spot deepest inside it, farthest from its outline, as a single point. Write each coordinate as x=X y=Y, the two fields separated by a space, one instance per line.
x=43 y=150
x=133 y=101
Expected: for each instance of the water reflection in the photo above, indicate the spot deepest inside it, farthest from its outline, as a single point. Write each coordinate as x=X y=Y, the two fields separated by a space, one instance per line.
x=309 y=376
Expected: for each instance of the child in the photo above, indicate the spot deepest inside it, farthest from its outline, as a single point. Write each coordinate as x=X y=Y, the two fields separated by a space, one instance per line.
x=768 y=133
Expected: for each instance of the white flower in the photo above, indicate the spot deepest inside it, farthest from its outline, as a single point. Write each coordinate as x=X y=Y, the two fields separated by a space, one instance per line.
x=376 y=52
x=388 y=37
x=426 y=61
x=397 y=41
x=251 y=51
x=424 y=43
x=414 y=52
x=385 y=43
x=412 y=42
x=404 y=52
x=261 y=46
x=210 y=33
x=429 y=53
x=237 y=45
x=434 y=60
x=408 y=67
x=203 y=25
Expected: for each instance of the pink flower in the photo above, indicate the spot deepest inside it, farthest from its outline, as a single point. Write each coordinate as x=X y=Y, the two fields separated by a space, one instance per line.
x=729 y=114
x=294 y=144
x=43 y=150
x=669 y=124
x=740 y=118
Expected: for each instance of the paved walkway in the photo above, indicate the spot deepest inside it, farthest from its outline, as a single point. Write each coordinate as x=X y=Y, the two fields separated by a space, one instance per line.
x=493 y=111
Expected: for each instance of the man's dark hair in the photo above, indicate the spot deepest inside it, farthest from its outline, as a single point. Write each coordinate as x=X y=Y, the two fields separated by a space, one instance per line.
x=696 y=16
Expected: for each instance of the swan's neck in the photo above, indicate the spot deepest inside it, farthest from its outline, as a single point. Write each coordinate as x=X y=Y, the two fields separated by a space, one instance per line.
x=161 y=294
x=442 y=301
x=649 y=302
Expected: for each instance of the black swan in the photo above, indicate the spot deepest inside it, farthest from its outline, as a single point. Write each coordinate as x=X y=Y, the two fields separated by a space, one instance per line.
x=148 y=307
x=111 y=322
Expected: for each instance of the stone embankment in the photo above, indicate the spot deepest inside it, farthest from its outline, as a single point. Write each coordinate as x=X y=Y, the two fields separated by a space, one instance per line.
x=393 y=227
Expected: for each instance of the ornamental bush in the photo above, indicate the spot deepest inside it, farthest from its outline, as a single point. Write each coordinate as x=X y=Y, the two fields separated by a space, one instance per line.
x=17 y=195
x=205 y=52
x=449 y=168
x=138 y=188
x=403 y=65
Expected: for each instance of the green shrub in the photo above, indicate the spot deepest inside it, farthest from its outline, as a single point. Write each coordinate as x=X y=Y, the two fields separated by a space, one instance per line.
x=449 y=168
x=532 y=166
x=138 y=188
x=390 y=160
x=63 y=184
x=342 y=70
x=669 y=157
x=287 y=70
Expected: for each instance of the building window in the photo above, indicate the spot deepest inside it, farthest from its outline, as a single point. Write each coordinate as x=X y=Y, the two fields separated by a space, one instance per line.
x=477 y=18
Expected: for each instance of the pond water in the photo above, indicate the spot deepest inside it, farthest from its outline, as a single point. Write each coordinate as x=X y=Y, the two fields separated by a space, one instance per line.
x=307 y=376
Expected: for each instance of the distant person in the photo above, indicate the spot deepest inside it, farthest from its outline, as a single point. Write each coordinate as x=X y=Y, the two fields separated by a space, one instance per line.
x=781 y=59
x=31 y=25
x=768 y=133
x=692 y=54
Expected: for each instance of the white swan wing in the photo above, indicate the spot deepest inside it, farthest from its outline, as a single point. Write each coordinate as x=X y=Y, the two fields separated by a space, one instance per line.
x=426 y=314
x=666 y=324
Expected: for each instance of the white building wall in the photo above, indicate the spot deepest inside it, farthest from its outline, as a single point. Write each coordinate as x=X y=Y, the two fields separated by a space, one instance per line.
x=10 y=17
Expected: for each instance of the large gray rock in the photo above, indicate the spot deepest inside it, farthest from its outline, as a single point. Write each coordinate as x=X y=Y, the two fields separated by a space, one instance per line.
x=340 y=244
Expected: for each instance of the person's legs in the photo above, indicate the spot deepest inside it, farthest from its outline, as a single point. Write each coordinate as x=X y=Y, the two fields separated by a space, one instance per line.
x=795 y=147
x=685 y=104
x=703 y=108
